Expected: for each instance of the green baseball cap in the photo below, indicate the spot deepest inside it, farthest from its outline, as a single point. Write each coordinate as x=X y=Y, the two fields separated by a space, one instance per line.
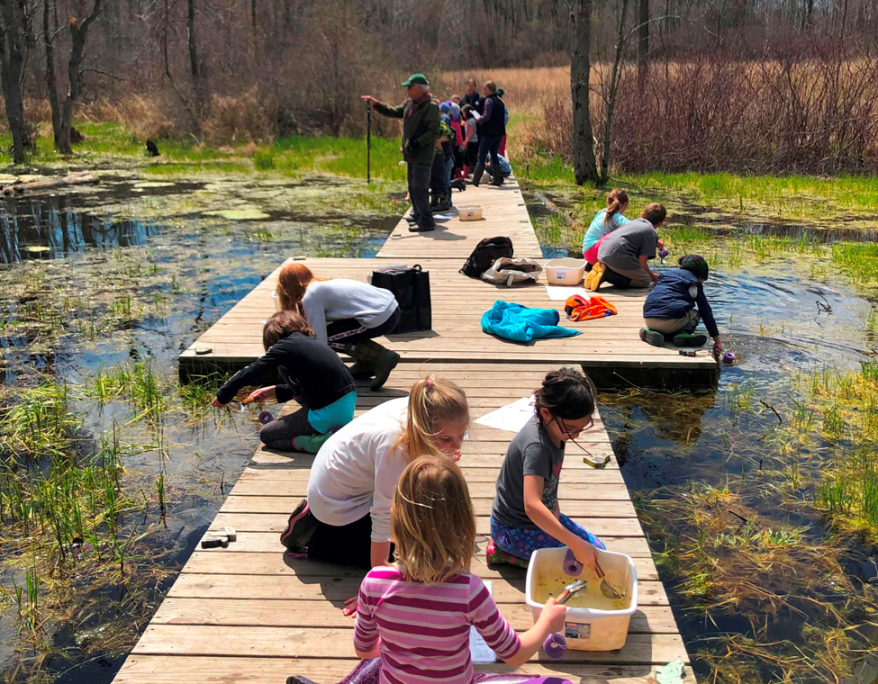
x=416 y=79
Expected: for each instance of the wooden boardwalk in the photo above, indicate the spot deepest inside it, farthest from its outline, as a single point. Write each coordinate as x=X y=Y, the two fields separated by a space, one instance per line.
x=250 y=614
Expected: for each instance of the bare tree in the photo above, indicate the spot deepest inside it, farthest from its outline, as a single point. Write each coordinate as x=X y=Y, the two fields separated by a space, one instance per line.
x=643 y=37
x=584 y=166
x=621 y=48
x=49 y=30
x=78 y=36
x=15 y=17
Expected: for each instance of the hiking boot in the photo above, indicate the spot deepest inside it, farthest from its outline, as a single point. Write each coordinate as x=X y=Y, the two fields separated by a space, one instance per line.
x=595 y=277
x=421 y=229
x=458 y=184
x=689 y=340
x=496 y=556
x=362 y=370
x=497 y=179
x=382 y=359
x=300 y=528
x=310 y=444
x=653 y=337
x=410 y=219
x=477 y=174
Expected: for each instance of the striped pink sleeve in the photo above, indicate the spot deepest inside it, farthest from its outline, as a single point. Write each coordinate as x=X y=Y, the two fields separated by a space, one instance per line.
x=489 y=622
x=365 y=627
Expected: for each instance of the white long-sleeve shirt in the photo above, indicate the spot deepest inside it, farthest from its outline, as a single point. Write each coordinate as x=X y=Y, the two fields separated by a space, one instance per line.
x=340 y=299
x=356 y=471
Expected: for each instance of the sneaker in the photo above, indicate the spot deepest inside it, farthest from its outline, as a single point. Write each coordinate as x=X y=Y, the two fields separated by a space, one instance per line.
x=310 y=444
x=653 y=337
x=300 y=528
x=595 y=277
x=495 y=556
x=689 y=340
x=421 y=229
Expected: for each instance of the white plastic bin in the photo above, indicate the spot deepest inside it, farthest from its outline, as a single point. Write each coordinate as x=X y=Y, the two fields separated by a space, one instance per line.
x=586 y=629
x=470 y=213
x=565 y=271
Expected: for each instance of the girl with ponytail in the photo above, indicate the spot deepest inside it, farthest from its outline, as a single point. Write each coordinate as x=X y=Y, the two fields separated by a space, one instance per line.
x=346 y=517
x=526 y=515
x=604 y=222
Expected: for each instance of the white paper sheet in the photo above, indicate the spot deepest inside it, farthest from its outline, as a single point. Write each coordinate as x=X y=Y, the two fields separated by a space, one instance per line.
x=479 y=651
x=559 y=294
x=511 y=417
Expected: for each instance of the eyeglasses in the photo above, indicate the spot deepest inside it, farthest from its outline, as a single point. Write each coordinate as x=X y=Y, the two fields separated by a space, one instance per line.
x=574 y=432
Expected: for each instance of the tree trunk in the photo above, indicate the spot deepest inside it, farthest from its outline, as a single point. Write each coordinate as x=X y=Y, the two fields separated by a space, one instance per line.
x=78 y=36
x=642 y=37
x=611 y=99
x=51 y=80
x=193 y=46
x=14 y=31
x=584 y=166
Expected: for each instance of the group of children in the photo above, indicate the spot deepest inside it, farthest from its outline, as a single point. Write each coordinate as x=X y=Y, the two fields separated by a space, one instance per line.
x=618 y=250
x=472 y=142
x=385 y=493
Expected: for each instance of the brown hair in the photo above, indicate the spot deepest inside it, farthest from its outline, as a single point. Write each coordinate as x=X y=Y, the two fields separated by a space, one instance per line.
x=292 y=281
x=615 y=200
x=655 y=213
x=467 y=111
x=455 y=99
x=490 y=85
x=432 y=521
x=566 y=393
x=283 y=324
x=473 y=81
x=432 y=401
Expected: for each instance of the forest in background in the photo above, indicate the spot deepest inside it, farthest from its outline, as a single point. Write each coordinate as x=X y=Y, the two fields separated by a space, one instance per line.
x=773 y=86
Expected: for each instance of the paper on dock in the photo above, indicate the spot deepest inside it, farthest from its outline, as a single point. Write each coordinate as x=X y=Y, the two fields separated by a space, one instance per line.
x=479 y=651
x=560 y=294
x=511 y=417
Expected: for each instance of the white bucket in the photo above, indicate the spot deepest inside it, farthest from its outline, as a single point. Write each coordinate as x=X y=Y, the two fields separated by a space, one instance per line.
x=586 y=629
x=470 y=213
x=565 y=271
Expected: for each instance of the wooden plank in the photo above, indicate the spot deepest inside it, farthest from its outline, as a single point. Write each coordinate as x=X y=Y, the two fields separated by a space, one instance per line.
x=284 y=613
x=283 y=642
x=143 y=669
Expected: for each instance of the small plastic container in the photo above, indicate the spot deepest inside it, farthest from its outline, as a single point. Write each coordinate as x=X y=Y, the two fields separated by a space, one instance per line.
x=470 y=213
x=565 y=271
x=587 y=629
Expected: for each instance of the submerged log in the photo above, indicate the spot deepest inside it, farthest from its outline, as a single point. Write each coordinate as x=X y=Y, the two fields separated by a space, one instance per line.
x=80 y=178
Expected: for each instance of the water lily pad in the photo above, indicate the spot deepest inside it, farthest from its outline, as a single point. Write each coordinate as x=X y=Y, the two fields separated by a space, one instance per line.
x=153 y=184
x=245 y=214
x=36 y=248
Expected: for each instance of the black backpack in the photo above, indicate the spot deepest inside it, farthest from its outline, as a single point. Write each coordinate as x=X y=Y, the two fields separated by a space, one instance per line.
x=485 y=254
x=411 y=287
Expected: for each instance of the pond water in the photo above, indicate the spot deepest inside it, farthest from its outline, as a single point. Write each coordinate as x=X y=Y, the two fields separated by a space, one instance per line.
x=94 y=280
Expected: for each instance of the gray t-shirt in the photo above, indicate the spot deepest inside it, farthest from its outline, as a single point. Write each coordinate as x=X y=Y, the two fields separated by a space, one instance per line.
x=531 y=452
x=621 y=248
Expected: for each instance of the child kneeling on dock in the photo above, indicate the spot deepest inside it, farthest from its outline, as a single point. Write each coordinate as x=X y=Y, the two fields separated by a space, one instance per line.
x=414 y=617
x=670 y=309
x=525 y=515
x=312 y=374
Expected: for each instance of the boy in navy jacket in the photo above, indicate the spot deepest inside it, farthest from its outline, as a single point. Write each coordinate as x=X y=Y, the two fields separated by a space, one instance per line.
x=676 y=304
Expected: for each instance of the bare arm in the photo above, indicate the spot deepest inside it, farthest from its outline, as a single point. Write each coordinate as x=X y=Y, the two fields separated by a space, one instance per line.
x=543 y=518
x=644 y=264
x=551 y=620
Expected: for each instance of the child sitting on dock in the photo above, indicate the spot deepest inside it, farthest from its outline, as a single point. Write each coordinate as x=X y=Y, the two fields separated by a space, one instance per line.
x=346 y=517
x=526 y=515
x=677 y=303
x=345 y=314
x=413 y=624
x=312 y=374
x=605 y=221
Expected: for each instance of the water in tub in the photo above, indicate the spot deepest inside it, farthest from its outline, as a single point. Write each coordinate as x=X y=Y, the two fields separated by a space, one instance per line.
x=590 y=597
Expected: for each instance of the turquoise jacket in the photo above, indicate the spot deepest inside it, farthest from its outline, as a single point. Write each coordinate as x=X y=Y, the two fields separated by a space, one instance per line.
x=522 y=324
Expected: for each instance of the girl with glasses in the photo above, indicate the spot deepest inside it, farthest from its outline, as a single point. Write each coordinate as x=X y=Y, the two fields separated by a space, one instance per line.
x=525 y=515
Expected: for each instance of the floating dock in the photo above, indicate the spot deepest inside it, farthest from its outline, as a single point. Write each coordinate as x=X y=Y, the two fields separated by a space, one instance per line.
x=250 y=614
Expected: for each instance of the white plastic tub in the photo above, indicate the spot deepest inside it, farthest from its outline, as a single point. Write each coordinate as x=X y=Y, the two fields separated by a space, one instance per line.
x=586 y=629
x=470 y=213
x=565 y=271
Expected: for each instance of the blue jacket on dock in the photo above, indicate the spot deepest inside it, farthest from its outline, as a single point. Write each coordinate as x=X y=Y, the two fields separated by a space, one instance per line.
x=522 y=324
x=676 y=293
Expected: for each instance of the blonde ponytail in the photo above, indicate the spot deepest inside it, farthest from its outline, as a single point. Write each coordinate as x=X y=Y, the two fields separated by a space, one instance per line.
x=432 y=401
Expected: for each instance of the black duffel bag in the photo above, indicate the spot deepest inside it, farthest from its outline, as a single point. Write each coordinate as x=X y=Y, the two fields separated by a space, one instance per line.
x=411 y=287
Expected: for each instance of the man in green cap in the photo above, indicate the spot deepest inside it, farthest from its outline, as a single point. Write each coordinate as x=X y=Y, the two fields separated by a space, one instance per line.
x=420 y=131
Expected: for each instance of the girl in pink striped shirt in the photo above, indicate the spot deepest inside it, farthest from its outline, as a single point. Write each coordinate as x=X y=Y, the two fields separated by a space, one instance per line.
x=415 y=616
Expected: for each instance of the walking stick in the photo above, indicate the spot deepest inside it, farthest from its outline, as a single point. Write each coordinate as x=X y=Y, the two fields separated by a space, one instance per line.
x=368 y=143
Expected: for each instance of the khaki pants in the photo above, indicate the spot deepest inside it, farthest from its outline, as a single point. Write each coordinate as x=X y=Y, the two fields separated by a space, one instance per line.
x=638 y=278
x=669 y=326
